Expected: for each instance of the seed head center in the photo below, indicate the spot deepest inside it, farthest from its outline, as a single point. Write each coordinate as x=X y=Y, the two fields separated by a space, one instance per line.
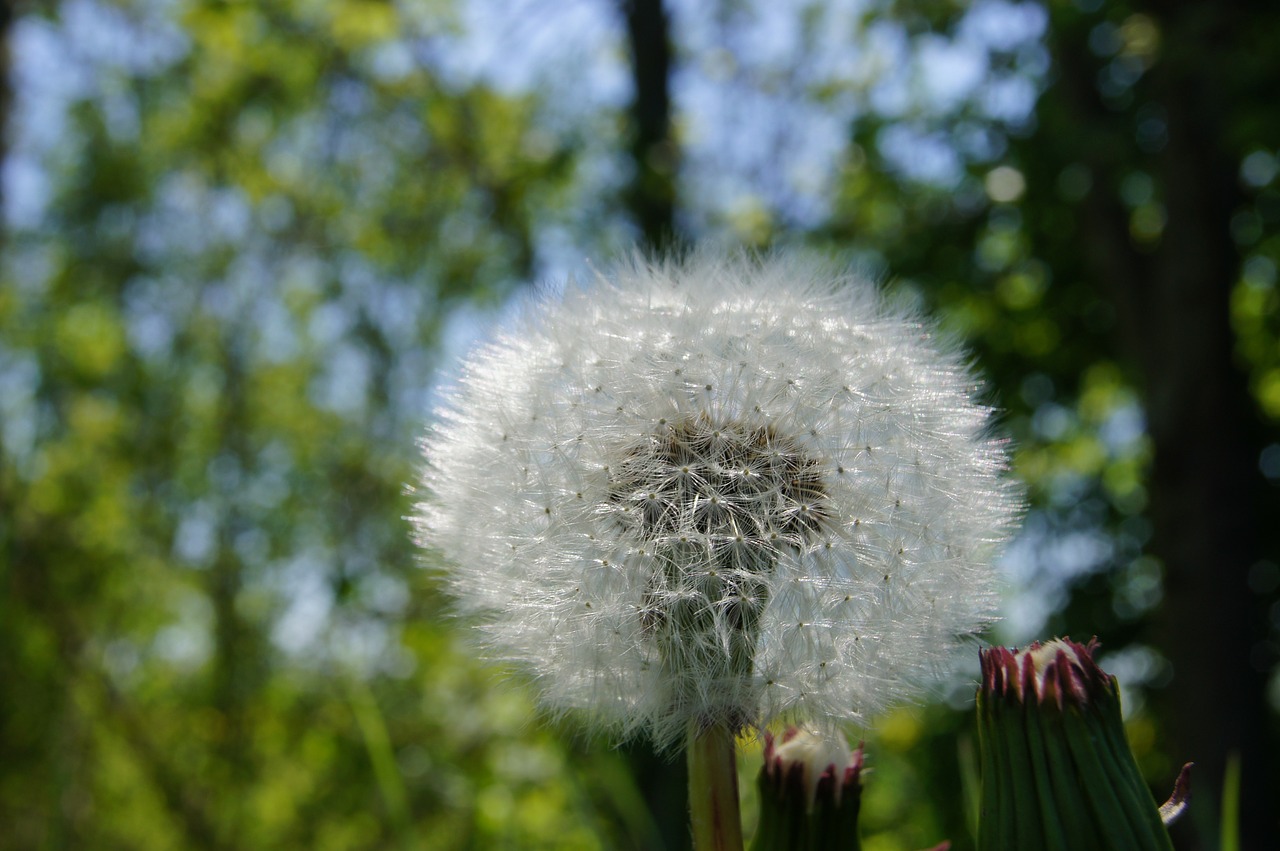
x=723 y=481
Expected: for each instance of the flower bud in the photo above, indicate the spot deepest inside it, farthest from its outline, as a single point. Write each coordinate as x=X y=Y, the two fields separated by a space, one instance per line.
x=1057 y=771
x=810 y=792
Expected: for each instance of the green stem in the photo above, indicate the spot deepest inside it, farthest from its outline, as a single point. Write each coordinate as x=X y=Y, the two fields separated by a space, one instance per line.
x=377 y=742
x=713 y=788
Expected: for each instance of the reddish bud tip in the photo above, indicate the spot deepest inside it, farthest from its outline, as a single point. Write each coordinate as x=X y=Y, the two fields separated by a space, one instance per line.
x=1054 y=672
x=823 y=767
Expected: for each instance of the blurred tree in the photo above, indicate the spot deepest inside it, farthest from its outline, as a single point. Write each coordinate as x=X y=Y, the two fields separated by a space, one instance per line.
x=1171 y=97
x=216 y=348
x=651 y=197
x=234 y=233
x=650 y=200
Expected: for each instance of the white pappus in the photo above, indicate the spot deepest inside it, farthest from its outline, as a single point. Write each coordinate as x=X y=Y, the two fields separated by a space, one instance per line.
x=720 y=489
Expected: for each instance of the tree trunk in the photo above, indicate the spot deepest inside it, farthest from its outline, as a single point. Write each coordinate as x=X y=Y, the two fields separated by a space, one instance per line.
x=1173 y=305
x=650 y=198
x=651 y=194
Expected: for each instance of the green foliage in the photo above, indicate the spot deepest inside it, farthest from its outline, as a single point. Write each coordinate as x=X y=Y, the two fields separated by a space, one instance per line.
x=218 y=336
x=216 y=343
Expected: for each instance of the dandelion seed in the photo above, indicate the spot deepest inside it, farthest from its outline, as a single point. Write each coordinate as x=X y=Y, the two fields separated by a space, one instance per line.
x=719 y=490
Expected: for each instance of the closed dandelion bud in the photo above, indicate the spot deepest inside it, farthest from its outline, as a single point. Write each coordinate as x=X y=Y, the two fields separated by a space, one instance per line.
x=717 y=491
x=1057 y=771
x=810 y=793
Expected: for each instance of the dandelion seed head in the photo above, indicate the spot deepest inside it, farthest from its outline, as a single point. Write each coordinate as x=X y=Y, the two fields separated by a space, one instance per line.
x=718 y=488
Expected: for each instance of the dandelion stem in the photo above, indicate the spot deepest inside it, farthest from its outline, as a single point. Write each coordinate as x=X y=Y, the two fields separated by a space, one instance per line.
x=713 y=788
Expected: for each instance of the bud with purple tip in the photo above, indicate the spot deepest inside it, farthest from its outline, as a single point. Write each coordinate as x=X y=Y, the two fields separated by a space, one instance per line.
x=1057 y=771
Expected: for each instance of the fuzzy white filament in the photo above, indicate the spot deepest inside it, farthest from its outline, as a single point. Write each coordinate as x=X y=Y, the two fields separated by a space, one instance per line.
x=720 y=489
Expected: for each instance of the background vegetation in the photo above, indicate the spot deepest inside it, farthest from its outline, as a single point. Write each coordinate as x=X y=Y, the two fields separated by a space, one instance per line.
x=238 y=238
